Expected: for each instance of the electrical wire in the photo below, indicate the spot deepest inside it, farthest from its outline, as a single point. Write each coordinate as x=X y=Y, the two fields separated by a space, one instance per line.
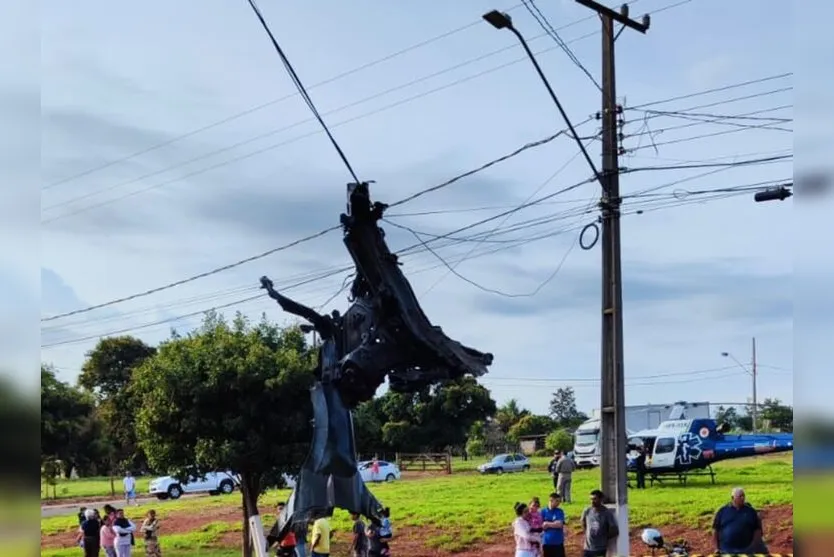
x=522 y=241
x=306 y=238
x=712 y=90
x=553 y=33
x=297 y=81
x=310 y=134
x=272 y=102
x=747 y=162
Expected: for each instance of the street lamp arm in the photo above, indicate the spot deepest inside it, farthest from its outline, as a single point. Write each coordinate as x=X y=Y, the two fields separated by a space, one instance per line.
x=502 y=21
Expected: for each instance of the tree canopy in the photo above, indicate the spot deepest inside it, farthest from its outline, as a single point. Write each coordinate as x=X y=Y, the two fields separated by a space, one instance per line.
x=563 y=409
x=228 y=397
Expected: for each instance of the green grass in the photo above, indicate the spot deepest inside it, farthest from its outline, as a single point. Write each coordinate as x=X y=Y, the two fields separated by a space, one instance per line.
x=100 y=486
x=89 y=487
x=460 y=510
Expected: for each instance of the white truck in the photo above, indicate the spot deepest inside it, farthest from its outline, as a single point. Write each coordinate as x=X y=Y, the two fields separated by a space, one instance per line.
x=586 y=448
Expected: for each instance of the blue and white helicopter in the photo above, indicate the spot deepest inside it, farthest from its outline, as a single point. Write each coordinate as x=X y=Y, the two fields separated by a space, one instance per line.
x=681 y=447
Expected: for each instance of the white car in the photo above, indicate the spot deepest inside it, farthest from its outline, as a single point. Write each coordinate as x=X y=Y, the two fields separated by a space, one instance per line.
x=388 y=471
x=213 y=483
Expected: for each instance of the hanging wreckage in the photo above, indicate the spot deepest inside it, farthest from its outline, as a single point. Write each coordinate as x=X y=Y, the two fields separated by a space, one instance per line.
x=383 y=334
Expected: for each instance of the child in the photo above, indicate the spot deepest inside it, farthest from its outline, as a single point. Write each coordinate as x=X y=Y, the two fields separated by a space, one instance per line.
x=150 y=529
x=535 y=520
x=385 y=531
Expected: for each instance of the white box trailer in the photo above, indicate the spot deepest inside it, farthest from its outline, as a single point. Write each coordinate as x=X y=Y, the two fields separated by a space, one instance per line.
x=586 y=448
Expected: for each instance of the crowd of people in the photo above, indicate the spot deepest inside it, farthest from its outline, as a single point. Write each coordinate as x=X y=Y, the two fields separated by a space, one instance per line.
x=115 y=534
x=369 y=540
x=541 y=532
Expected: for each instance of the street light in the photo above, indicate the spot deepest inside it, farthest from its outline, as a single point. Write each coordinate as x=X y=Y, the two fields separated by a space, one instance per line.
x=501 y=20
x=752 y=372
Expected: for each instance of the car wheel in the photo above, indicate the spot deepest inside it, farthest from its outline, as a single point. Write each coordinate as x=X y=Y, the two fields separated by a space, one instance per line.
x=226 y=487
x=526 y=468
x=175 y=492
x=390 y=478
x=499 y=471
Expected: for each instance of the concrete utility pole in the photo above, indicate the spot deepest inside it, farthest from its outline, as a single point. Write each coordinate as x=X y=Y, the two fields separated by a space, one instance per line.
x=612 y=406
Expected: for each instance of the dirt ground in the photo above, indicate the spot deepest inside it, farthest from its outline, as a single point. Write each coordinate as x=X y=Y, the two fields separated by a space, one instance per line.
x=778 y=523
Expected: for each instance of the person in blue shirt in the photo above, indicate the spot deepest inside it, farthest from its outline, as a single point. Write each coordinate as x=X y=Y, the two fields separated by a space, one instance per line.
x=737 y=527
x=553 y=538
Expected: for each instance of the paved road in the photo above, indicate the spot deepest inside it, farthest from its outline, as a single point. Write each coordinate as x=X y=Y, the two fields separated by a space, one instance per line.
x=72 y=508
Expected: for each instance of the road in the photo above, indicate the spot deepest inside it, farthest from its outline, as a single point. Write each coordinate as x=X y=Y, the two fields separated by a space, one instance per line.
x=72 y=508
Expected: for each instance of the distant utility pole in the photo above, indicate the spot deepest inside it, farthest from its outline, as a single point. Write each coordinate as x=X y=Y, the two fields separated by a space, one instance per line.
x=754 y=373
x=612 y=407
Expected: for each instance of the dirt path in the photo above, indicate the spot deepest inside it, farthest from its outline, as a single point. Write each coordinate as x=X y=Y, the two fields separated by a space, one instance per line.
x=778 y=523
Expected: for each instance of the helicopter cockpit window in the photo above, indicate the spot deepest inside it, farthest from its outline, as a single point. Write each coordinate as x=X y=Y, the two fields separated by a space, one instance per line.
x=663 y=446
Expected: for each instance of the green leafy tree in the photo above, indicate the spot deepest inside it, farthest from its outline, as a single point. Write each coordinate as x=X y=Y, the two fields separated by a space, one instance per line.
x=107 y=373
x=475 y=447
x=509 y=414
x=728 y=416
x=228 y=397
x=559 y=440
x=68 y=428
x=563 y=409
x=779 y=415
x=531 y=424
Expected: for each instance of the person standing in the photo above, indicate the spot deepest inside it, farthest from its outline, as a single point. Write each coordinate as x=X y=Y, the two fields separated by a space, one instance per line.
x=124 y=529
x=129 y=483
x=737 y=527
x=375 y=470
x=551 y=469
x=525 y=540
x=320 y=543
x=358 y=544
x=564 y=469
x=599 y=525
x=107 y=536
x=150 y=530
x=553 y=525
x=89 y=534
x=640 y=465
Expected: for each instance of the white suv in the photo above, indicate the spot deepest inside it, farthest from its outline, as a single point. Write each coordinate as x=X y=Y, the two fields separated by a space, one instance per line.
x=213 y=483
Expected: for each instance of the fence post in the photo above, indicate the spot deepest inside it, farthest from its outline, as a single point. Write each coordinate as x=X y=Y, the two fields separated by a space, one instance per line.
x=397 y=459
x=448 y=462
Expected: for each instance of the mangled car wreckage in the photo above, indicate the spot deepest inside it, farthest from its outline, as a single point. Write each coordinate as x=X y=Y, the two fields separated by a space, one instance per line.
x=383 y=334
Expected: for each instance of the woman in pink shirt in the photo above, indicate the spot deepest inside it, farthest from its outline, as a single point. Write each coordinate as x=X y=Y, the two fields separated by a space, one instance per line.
x=525 y=540
x=108 y=537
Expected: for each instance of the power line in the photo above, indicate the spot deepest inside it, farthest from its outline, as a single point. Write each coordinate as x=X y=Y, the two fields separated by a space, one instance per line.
x=334 y=271
x=713 y=90
x=297 y=81
x=748 y=162
x=310 y=134
x=272 y=102
x=306 y=238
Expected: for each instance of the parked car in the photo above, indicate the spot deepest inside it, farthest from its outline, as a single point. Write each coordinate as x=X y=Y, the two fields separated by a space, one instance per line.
x=388 y=471
x=213 y=483
x=505 y=463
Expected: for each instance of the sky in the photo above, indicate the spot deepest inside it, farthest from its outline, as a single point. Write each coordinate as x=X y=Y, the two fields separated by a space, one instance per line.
x=173 y=143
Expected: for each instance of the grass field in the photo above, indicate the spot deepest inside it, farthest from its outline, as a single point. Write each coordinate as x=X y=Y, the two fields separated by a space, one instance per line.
x=458 y=512
x=101 y=486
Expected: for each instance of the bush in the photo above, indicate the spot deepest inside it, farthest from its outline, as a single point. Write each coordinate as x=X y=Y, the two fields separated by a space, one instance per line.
x=542 y=452
x=475 y=447
x=559 y=440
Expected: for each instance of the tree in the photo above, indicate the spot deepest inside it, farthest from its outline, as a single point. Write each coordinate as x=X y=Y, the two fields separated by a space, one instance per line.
x=68 y=426
x=559 y=440
x=107 y=373
x=727 y=416
x=530 y=424
x=228 y=397
x=509 y=414
x=779 y=415
x=563 y=409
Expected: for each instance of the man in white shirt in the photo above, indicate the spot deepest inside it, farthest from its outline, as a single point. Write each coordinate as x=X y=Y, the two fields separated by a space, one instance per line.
x=129 y=483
